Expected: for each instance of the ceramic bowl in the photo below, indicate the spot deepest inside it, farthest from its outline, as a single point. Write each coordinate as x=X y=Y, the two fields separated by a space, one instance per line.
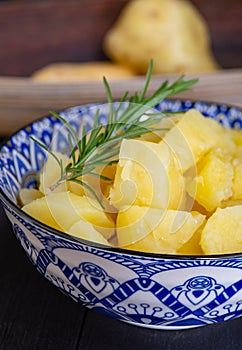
x=150 y=290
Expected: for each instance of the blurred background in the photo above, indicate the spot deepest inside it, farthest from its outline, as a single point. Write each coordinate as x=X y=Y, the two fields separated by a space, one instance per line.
x=34 y=33
x=201 y=37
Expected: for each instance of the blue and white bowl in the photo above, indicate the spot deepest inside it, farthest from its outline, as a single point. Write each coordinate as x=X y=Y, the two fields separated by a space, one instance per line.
x=150 y=290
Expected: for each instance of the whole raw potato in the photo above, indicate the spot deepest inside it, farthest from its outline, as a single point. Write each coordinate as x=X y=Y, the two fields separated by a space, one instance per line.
x=81 y=71
x=171 y=32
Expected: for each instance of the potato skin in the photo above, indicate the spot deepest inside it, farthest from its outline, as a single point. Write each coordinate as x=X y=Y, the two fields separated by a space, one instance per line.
x=82 y=71
x=171 y=32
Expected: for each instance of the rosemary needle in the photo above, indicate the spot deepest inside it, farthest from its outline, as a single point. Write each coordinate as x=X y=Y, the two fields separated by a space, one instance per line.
x=101 y=147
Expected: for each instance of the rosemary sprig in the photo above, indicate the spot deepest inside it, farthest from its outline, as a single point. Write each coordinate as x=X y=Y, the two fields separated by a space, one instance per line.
x=101 y=147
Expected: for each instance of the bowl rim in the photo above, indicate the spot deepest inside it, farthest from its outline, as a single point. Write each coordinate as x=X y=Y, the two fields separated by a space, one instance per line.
x=119 y=250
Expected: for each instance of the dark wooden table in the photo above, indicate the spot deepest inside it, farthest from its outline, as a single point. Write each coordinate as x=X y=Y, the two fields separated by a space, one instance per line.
x=34 y=315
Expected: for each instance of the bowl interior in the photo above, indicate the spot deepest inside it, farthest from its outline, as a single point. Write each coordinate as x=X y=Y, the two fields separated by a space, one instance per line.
x=21 y=157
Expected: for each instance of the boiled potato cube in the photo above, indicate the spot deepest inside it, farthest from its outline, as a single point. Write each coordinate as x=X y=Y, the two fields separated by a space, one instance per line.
x=192 y=246
x=223 y=231
x=231 y=203
x=236 y=135
x=147 y=174
x=76 y=188
x=192 y=137
x=238 y=152
x=149 y=229
x=109 y=172
x=27 y=195
x=51 y=173
x=135 y=223
x=62 y=210
x=214 y=181
x=198 y=207
x=100 y=185
x=161 y=128
x=83 y=229
x=237 y=181
x=40 y=211
x=226 y=143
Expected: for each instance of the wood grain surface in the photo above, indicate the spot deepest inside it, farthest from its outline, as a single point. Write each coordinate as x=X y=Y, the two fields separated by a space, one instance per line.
x=22 y=100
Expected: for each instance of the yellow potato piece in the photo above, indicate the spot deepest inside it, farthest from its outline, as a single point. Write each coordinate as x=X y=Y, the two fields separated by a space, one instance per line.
x=214 y=181
x=108 y=171
x=149 y=229
x=100 y=185
x=192 y=246
x=231 y=203
x=76 y=188
x=192 y=137
x=236 y=135
x=27 y=195
x=63 y=209
x=40 y=210
x=51 y=173
x=223 y=231
x=150 y=244
x=226 y=144
x=238 y=152
x=135 y=223
x=237 y=181
x=83 y=229
x=81 y=71
x=166 y=31
x=161 y=128
x=148 y=175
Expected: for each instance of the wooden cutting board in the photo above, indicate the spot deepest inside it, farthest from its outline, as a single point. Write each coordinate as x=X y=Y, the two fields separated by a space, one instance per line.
x=22 y=100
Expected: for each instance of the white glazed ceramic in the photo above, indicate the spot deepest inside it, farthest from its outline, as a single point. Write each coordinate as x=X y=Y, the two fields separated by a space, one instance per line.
x=150 y=290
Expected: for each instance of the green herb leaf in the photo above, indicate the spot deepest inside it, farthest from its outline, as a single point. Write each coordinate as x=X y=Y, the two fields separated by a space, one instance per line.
x=101 y=147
